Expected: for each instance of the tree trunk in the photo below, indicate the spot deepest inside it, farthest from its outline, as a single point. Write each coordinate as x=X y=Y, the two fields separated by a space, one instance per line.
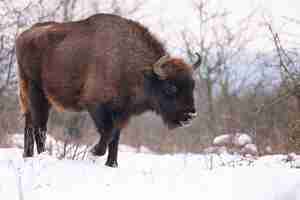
x=211 y=113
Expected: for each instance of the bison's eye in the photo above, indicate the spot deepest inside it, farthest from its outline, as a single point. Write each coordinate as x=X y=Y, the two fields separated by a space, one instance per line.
x=170 y=90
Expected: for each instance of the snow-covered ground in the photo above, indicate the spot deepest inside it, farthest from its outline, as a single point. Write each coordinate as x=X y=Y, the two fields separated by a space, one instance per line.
x=148 y=176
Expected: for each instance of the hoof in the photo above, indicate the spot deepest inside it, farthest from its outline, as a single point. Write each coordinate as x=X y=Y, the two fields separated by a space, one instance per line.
x=94 y=159
x=41 y=151
x=27 y=155
x=98 y=150
x=113 y=164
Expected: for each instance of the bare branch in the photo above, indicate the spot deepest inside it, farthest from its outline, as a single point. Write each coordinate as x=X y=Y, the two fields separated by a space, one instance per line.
x=281 y=53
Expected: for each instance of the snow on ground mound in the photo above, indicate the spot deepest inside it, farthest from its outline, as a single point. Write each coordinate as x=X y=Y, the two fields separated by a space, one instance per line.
x=241 y=139
x=223 y=140
x=148 y=176
x=240 y=143
x=249 y=149
x=238 y=140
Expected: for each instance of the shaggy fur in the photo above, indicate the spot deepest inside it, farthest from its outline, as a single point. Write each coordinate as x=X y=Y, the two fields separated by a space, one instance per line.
x=103 y=65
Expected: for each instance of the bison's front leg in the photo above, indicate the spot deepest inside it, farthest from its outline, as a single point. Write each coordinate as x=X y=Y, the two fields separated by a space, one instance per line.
x=103 y=118
x=106 y=122
x=113 y=150
x=100 y=148
x=110 y=140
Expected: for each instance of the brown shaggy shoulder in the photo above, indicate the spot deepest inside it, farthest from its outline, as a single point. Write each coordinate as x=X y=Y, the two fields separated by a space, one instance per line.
x=148 y=37
x=136 y=28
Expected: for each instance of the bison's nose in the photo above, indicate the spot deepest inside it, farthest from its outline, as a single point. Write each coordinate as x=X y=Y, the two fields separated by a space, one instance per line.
x=192 y=113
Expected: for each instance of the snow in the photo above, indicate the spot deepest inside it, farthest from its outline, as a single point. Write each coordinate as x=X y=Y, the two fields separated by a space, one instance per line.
x=250 y=149
x=216 y=149
x=148 y=176
x=237 y=139
x=241 y=139
x=222 y=140
x=237 y=143
x=268 y=149
x=73 y=151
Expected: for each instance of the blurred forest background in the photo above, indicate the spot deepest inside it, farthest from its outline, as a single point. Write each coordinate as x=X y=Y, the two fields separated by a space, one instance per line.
x=248 y=81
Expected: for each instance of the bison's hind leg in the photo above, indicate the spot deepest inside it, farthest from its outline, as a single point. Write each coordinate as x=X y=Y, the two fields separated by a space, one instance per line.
x=36 y=118
x=28 y=130
x=28 y=136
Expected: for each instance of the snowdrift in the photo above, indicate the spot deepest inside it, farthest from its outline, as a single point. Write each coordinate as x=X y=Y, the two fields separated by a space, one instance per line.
x=148 y=176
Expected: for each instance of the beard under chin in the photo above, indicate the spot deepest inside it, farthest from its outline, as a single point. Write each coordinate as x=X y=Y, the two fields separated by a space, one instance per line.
x=176 y=120
x=172 y=124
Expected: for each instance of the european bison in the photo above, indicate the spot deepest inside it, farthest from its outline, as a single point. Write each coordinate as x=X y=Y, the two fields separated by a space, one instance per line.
x=110 y=66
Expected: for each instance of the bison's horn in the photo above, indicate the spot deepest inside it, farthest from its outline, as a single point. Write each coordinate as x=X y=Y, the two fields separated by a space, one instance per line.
x=157 y=67
x=198 y=62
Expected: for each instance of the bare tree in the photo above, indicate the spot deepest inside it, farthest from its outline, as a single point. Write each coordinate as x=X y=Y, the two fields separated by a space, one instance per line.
x=221 y=47
x=9 y=27
x=286 y=61
x=118 y=7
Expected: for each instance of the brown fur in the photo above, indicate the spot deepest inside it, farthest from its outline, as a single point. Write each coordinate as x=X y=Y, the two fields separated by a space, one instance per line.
x=62 y=85
x=103 y=64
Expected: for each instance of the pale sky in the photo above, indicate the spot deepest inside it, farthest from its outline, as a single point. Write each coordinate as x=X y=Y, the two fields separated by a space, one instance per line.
x=178 y=14
x=277 y=8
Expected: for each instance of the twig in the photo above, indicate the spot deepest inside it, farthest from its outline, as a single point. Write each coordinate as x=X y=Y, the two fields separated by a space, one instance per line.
x=274 y=102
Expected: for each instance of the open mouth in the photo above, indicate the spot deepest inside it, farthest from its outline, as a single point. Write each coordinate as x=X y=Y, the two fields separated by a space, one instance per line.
x=188 y=119
x=185 y=122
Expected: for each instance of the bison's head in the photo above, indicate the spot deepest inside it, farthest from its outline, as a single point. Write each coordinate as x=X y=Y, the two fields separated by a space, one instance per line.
x=171 y=86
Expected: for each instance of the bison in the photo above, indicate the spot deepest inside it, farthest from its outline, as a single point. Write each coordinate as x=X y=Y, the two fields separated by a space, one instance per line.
x=109 y=66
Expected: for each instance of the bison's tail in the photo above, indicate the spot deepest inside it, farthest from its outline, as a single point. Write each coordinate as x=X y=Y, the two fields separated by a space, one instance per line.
x=23 y=82
x=23 y=95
